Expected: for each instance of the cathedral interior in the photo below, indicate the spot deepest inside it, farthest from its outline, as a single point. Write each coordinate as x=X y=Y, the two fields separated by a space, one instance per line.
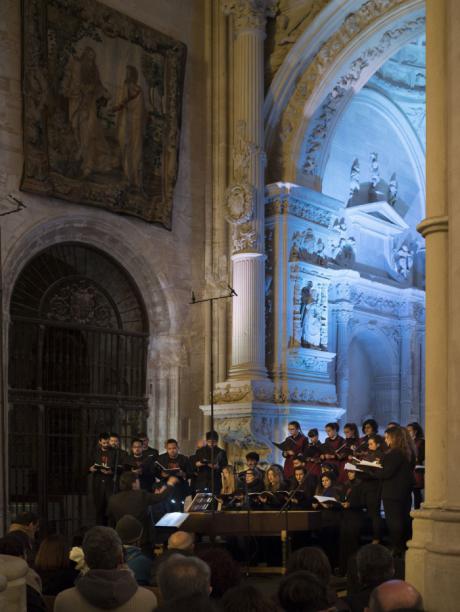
x=278 y=159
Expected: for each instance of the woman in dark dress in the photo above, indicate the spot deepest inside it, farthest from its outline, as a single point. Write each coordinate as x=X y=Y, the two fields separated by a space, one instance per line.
x=397 y=481
x=416 y=433
x=372 y=488
x=53 y=566
x=352 y=518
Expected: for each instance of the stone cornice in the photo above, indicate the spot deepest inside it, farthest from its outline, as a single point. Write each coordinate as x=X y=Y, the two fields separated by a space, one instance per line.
x=430 y=225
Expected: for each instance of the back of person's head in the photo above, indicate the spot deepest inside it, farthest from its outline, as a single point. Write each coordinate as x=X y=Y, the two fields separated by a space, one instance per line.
x=374 y=564
x=127 y=479
x=310 y=559
x=129 y=529
x=246 y=598
x=26 y=518
x=393 y=596
x=225 y=572
x=302 y=591
x=184 y=576
x=181 y=540
x=53 y=553
x=102 y=548
x=24 y=542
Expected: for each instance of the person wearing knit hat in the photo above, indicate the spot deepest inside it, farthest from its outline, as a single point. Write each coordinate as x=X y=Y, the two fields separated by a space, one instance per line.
x=130 y=531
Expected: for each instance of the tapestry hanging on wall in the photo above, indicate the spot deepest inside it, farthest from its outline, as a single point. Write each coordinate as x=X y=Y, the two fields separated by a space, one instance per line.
x=102 y=108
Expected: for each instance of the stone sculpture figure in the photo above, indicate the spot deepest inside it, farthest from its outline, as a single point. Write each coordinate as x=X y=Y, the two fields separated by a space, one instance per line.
x=375 y=170
x=310 y=317
x=354 y=178
x=404 y=259
x=393 y=190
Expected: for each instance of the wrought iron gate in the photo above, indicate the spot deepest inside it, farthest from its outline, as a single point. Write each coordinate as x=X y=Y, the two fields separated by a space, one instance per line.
x=77 y=364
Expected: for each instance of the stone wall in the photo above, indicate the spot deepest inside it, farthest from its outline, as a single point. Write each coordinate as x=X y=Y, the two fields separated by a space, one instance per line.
x=164 y=264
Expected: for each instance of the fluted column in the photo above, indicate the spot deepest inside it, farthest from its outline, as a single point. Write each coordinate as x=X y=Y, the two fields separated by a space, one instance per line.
x=245 y=195
x=406 y=370
x=343 y=341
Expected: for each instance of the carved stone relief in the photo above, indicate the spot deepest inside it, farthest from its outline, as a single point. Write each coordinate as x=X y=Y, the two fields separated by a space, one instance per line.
x=291 y=20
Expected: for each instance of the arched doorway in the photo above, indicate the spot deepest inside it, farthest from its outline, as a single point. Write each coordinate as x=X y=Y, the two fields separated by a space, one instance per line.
x=77 y=366
x=374 y=379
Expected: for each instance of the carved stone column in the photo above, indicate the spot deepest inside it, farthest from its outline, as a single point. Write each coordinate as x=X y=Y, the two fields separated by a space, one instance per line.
x=343 y=316
x=407 y=370
x=433 y=559
x=245 y=195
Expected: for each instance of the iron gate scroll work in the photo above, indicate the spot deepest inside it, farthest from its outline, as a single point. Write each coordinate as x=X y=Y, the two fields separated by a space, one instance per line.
x=77 y=366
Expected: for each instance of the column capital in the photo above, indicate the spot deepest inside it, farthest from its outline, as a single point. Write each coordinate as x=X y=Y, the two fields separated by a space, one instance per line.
x=430 y=225
x=250 y=14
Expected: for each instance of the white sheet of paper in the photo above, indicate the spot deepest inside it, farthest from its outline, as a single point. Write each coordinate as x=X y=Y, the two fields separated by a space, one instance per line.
x=172 y=519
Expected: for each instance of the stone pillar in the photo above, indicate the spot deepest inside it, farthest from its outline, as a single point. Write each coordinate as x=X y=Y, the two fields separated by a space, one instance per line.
x=343 y=316
x=13 y=576
x=433 y=559
x=407 y=371
x=245 y=195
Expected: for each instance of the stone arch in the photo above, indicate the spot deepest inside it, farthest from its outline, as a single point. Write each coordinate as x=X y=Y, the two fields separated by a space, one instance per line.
x=104 y=235
x=349 y=48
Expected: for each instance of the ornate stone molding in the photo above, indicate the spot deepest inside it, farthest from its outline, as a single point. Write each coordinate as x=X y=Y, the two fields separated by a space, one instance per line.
x=301 y=209
x=250 y=14
x=289 y=24
x=430 y=225
x=288 y=114
x=319 y=129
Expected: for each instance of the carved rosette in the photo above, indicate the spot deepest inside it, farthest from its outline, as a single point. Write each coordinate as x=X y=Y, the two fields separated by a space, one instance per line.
x=240 y=200
x=250 y=14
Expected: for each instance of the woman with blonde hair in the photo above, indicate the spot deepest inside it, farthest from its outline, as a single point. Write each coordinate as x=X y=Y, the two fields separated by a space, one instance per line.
x=397 y=479
x=228 y=481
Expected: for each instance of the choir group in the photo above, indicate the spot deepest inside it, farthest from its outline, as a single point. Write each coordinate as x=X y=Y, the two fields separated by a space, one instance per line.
x=348 y=478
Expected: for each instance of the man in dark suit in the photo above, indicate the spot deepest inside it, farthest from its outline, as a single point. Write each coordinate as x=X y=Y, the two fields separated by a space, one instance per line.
x=101 y=470
x=174 y=463
x=135 y=501
x=210 y=460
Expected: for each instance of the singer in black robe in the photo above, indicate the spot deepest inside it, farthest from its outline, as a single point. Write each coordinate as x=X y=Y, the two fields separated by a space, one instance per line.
x=182 y=469
x=207 y=457
x=101 y=472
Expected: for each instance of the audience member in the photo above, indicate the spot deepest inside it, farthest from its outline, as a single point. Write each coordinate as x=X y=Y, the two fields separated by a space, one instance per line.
x=107 y=585
x=184 y=577
x=246 y=598
x=183 y=541
x=27 y=524
x=178 y=542
x=15 y=548
x=225 y=572
x=130 y=531
x=314 y=560
x=395 y=595
x=302 y=592
x=375 y=565
x=53 y=565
